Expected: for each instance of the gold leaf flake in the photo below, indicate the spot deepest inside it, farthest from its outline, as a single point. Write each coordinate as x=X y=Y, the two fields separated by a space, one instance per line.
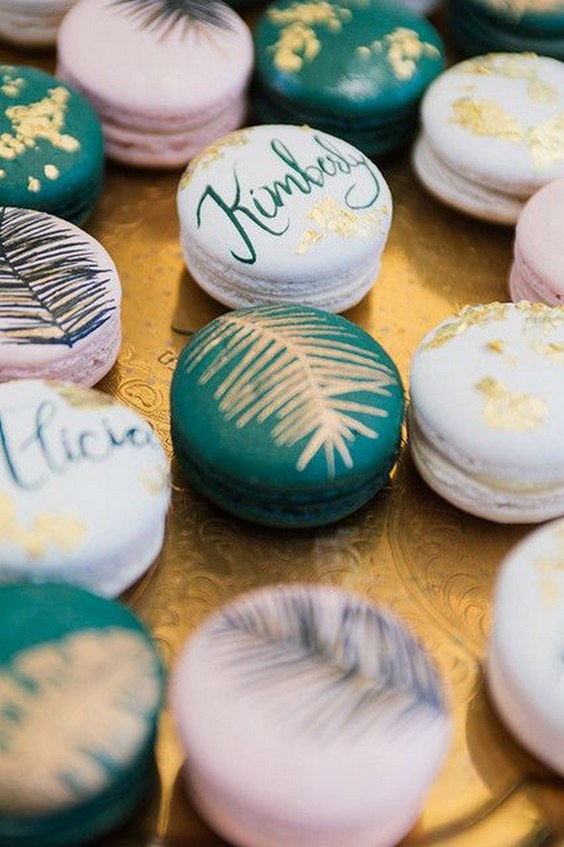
x=82 y=398
x=47 y=529
x=496 y=346
x=33 y=184
x=51 y=171
x=70 y=711
x=10 y=85
x=523 y=66
x=404 y=50
x=2 y=173
x=298 y=42
x=155 y=481
x=551 y=570
x=212 y=153
x=329 y=217
x=466 y=318
x=41 y=120
x=508 y=410
x=546 y=143
x=486 y=117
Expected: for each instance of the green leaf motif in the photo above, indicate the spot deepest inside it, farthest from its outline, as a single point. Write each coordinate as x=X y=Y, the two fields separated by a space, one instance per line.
x=297 y=371
x=330 y=670
x=72 y=712
x=163 y=16
x=52 y=290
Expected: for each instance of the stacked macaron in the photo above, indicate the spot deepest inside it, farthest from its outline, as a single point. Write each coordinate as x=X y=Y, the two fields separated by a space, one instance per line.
x=537 y=272
x=492 y=133
x=309 y=717
x=140 y=64
x=51 y=145
x=483 y=26
x=284 y=214
x=357 y=71
x=487 y=411
x=32 y=23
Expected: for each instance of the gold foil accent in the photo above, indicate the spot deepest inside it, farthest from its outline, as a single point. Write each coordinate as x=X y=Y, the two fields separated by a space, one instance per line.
x=486 y=117
x=84 y=706
x=549 y=567
x=511 y=411
x=2 y=173
x=155 y=481
x=46 y=530
x=82 y=398
x=496 y=346
x=404 y=50
x=11 y=85
x=51 y=172
x=466 y=318
x=41 y=120
x=546 y=143
x=523 y=66
x=298 y=42
x=329 y=217
x=212 y=153
x=33 y=184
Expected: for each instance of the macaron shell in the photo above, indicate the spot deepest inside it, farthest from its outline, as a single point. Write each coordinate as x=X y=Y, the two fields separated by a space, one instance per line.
x=524 y=661
x=486 y=383
x=292 y=204
x=358 y=62
x=167 y=59
x=538 y=267
x=499 y=119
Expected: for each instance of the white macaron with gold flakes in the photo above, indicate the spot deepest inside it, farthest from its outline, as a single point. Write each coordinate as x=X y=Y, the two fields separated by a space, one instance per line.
x=486 y=418
x=492 y=133
x=525 y=664
x=84 y=488
x=284 y=214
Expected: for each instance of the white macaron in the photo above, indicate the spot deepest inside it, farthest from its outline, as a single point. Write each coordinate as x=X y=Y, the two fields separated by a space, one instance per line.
x=284 y=214
x=32 y=23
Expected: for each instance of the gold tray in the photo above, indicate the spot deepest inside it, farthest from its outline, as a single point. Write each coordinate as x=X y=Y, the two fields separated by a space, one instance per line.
x=407 y=548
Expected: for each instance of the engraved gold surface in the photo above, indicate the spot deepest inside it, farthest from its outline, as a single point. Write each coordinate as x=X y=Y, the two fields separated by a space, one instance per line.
x=430 y=562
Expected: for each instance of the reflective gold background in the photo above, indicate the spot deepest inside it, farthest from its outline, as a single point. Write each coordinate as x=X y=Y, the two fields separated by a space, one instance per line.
x=430 y=562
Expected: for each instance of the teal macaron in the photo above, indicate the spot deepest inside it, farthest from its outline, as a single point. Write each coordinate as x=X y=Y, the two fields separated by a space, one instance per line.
x=354 y=68
x=81 y=686
x=51 y=145
x=516 y=26
x=286 y=415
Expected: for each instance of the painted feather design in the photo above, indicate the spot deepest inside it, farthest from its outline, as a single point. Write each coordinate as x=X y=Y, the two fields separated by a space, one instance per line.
x=163 y=16
x=327 y=669
x=297 y=372
x=72 y=712
x=52 y=290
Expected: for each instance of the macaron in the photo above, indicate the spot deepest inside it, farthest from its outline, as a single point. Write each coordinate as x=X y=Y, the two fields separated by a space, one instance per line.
x=283 y=214
x=537 y=272
x=84 y=488
x=81 y=687
x=514 y=26
x=487 y=411
x=60 y=300
x=286 y=415
x=524 y=662
x=32 y=23
x=356 y=70
x=308 y=717
x=167 y=78
x=492 y=134
x=51 y=145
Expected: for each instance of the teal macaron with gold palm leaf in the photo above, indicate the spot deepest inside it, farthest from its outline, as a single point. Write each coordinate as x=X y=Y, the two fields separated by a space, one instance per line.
x=51 y=145
x=354 y=68
x=81 y=687
x=286 y=415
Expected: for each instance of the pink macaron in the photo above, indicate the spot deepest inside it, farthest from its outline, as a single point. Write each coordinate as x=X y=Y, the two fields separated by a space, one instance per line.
x=537 y=272
x=60 y=300
x=166 y=78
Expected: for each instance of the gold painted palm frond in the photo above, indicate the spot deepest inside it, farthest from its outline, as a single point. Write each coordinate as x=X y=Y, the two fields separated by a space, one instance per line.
x=71 y=712
x=297 y=371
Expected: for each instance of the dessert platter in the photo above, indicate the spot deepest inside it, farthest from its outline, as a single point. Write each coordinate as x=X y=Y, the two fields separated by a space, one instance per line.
x=431 y=565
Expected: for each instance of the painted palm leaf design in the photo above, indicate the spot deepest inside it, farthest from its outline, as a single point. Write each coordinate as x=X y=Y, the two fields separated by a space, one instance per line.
x=330 y=670
x=52 y=291
x=72 y=712
x=296 y=371
x=163 y=16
